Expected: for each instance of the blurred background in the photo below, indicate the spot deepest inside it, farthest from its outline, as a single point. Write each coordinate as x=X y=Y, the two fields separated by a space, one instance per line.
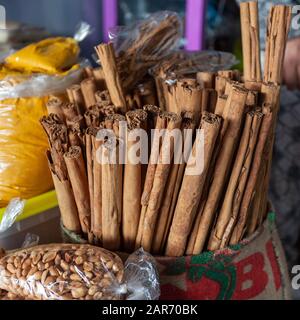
x=31 y=19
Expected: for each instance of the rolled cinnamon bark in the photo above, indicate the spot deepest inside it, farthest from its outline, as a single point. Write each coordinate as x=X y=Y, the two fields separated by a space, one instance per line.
x=233 y=115
x=132 y=185
x=209 y=100
x=206 y=79
x=250 y=41
x=100 y=78
x=78 y=178
x=65 y=198
x=260 y=156
x=228 y=215
x=161 y=124
x=171 y=192
x=54 y=106
x=70 y=111
x=97 y=218
x=220 y=106
x=220 y=85
x=89 y=88
x=107 y=57
x=75 y=96
x=184 y=95
x=90 y=149
x=192 y=187
x=103 y=97
x=111 y=202
x=160 y=179
x=279 y=21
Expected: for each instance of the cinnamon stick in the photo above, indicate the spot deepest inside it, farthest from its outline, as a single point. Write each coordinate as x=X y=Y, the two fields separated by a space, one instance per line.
x=107 y=57
x=192 y=187
x=279 y=21
x=89 y=88
x=65 y=198
x=171 y=192
x=111 y=201
x=250 y=41
x=233 y=115
x=229 y=211
x=132 y=185
x=160 y=179
x=206 y=79
x=54 y=106
x=157 y=137
x=78 y=178
x=258 y=159
x=100 y=78
x=75 y=96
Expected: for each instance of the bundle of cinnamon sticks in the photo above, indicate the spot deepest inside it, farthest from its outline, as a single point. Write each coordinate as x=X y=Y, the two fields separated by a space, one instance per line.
x=212 y=191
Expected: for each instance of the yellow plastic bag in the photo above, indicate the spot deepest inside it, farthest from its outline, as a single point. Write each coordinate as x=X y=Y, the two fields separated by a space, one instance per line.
x=23 y=166
x=50 y=56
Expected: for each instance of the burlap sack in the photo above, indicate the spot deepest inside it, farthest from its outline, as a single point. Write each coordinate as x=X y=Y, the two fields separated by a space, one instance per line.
x=255 y=269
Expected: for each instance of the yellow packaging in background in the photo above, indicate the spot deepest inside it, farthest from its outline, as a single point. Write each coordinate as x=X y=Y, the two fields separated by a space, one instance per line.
x=23 y=165
x=50 y=56
x=27 y=78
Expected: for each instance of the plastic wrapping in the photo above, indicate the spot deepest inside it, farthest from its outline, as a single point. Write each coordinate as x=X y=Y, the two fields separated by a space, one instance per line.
x=185 y=63
x=78 y=272
x=13 y=210
x=143 y=44
x=23 y=143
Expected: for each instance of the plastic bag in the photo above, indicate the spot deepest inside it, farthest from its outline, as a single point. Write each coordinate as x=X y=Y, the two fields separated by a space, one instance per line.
x=141 y=45
x=50 y=56
x=24 y=169
x=77 y=272
x=184 y=63
x=13 y=210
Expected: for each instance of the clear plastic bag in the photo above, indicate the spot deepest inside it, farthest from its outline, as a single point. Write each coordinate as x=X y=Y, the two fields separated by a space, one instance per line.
x=143 y=44
x=78 y=272
x=184 y=63
x=13 y=210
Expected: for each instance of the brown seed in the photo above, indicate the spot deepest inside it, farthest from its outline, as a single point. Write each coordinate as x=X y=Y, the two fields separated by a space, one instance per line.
x=50 y=256
x=88 y=274
x=49 y=280
x=109 y=265
x=19 y=273
x=32 y=271
x=17 y=262
x=98 y=296
x=93 y=259
x=65 y=275
x=68 y=257
x=53 y=272
x=115 y=268
x=25 y=271
x=93 y=290
x=75 y=277
x=88 y=297
x=79 y=292
x=44 y=276
x=38 y=275
x=57 y=259
x=10 y=267
x=64 y=265
x=36 y=258
x=41 y=266
x=79 y=260
x=26 y=263
x=88 y=266
x=105 y=283
x=79 y=252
